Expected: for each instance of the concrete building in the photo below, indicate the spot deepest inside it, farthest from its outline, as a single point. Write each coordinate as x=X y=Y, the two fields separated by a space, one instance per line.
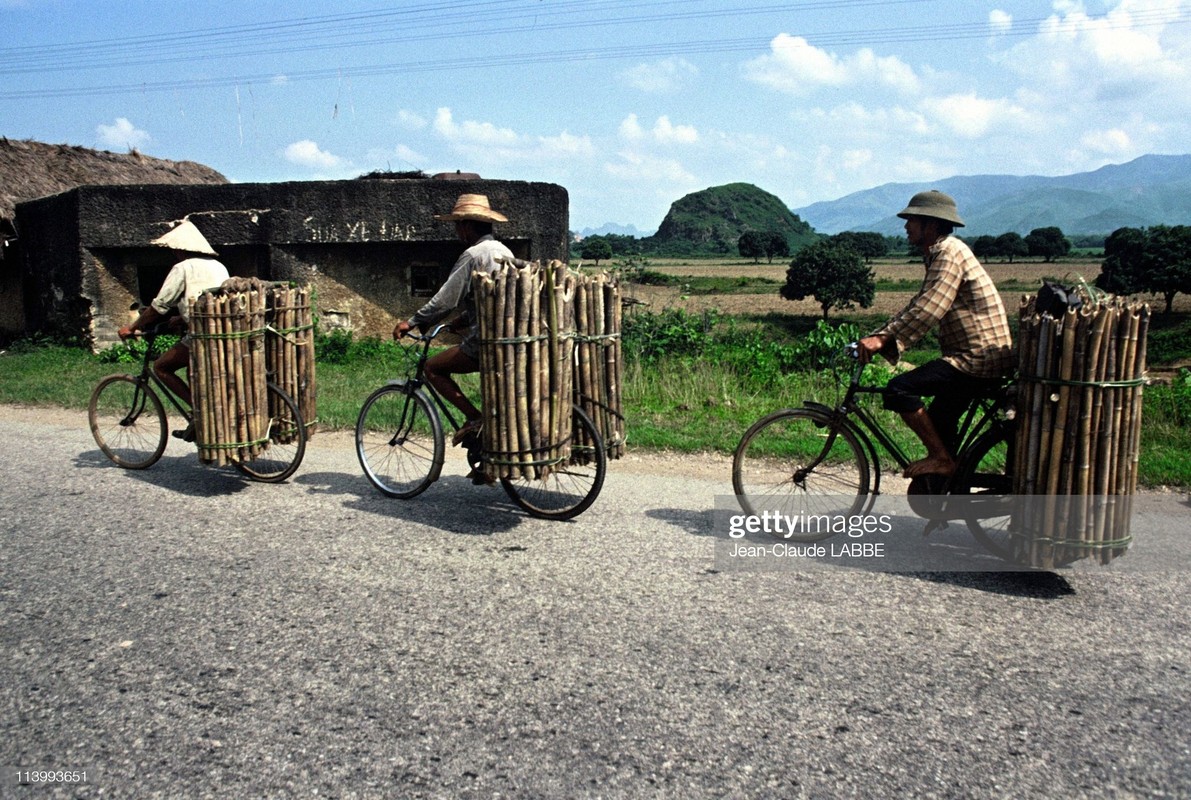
x=370 y=247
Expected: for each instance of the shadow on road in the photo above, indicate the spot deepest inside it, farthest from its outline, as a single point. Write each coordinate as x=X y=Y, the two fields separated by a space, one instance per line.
x=182 y=474
x=451 y=504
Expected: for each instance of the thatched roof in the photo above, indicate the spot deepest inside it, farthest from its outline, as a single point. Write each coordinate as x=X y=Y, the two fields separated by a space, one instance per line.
x=29 y=170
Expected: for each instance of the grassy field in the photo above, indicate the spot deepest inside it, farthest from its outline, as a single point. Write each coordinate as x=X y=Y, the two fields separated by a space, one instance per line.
x=699 y=402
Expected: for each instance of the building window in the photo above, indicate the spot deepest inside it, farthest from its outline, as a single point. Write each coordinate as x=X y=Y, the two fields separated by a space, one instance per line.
x=423 y=280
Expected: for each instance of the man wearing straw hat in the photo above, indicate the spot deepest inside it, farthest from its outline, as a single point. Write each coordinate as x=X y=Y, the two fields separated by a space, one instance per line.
x=977 y=349
x=195 y=272
x=473 y=219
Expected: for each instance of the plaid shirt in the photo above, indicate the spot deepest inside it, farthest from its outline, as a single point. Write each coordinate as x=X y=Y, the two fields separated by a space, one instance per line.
x=961 y=298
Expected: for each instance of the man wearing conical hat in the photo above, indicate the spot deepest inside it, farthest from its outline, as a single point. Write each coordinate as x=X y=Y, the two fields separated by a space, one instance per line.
x=960 y=298
x=195 y=272
x=473 y=218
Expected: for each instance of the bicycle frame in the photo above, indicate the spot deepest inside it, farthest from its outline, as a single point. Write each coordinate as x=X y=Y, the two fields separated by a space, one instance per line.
x=418 y=380
x=149 y=378
x=979 y=417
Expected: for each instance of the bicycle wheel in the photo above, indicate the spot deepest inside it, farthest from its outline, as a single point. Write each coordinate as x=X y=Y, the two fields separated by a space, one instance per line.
x=570 y=488
x=399 y=441
x=283 y=453
x=800 y=462
x=127 y=421
x=983 y=486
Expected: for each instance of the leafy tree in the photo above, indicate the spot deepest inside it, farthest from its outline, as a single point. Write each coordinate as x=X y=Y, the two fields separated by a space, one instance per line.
x=1123 y=269
x=868 y=244
x=1156 y=259
x=751 y=244
x=1010 y=245
x=596 y=248
x=776 y=244
x=1050 y=243
x=984 y=246
x=833 y=273
x=1168 y=257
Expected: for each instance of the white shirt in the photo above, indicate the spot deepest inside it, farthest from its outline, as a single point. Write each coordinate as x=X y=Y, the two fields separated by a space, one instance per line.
x=186 y=281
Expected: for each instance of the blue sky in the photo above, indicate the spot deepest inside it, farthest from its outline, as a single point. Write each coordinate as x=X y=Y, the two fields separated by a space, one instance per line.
x=629 y=105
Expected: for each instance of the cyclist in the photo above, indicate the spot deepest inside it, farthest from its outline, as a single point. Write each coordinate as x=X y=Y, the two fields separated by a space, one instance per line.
x=473 y=218
x=977 y=349
x=195 y=272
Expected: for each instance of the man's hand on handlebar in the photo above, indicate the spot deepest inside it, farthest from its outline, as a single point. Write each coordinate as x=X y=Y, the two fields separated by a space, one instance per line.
x=401 y=329
x=869 y=346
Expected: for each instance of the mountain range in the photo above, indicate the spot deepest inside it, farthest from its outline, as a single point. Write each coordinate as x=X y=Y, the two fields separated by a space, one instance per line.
x=1150 y=190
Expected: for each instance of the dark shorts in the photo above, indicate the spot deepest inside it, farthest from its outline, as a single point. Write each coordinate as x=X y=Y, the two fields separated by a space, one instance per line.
x=951 y=389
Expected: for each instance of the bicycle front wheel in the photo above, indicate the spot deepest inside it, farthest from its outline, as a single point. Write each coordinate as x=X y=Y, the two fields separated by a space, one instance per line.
x=800 y=462
x=127 y=421
x=983 y=487
x=282 y=454
x=399 y=441
x=571 y=487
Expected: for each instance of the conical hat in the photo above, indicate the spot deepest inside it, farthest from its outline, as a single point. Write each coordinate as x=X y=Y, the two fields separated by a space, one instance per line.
x=187 y=238
x=472 y=206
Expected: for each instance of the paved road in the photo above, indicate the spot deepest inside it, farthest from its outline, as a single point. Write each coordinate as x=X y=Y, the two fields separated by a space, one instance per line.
x=181 y=632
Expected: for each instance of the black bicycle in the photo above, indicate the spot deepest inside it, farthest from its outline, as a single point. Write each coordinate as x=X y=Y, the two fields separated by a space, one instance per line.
x=401 y=445
x=822 y=459
x=129 y=423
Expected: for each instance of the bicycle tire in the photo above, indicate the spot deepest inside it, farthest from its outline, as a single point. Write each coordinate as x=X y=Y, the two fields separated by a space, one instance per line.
x=790 y=463
x=128 y=421
x=399 y=441
x=569 y=489
x=283 y=454
x=984 y=477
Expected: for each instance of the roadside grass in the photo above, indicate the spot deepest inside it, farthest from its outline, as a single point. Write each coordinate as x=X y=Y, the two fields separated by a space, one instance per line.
x=703 y=383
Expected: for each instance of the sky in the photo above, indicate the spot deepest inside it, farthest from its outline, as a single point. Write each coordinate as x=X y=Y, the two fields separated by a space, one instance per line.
x=629 y=105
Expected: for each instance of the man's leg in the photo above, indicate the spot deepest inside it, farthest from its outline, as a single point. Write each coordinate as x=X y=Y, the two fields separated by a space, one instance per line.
x=904 y=396
x=167 y=365
x=439 y=370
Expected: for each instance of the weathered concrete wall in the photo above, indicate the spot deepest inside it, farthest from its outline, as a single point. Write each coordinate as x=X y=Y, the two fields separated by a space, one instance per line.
x=370 y=248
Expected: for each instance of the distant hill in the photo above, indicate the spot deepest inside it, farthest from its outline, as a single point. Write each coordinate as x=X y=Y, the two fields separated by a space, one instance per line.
x=1150 y=190
x=711 y=221
x=613 y=228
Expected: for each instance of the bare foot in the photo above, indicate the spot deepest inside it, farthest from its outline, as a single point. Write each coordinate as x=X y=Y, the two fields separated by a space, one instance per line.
x=930 y=466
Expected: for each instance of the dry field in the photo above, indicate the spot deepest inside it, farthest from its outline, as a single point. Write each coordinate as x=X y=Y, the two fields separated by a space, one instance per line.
x=887 y=302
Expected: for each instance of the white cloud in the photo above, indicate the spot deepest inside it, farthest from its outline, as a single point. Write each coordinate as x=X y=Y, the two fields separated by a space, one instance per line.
x=795 y=66
x=280 y=80
x=667 y=133
x=410 y=120
x=122 y=134
x=398 y=158
x=973 y=117
x=489 y=144
x=1113 y=142
x=307 y=153
x=635 y=167
x=630 y=129
x=1000 y=21
x=663 y=76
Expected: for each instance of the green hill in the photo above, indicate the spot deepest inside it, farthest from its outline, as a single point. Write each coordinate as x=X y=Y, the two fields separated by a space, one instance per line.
x=710 y=222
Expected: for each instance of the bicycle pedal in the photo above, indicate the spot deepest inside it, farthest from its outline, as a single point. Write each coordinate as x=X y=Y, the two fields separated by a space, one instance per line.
x=932 y=526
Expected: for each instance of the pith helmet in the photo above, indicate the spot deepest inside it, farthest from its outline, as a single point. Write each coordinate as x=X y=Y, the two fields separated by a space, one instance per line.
x=933 y=204
x=472 y=206
x=187 y=238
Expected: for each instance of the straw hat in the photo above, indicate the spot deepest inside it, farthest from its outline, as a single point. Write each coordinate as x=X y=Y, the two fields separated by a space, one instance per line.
x=187 y=238
x=472 y=206
x=933 y=204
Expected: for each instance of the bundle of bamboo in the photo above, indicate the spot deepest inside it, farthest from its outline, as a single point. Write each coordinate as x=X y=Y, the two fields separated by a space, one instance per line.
x=526 y=321
x=598 y=364
x=1081 y=378
x=289 y=352
x=227 y=372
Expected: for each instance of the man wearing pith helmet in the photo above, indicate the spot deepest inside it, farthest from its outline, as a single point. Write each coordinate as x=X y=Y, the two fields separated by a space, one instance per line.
x=473 y=218
x=959 y=297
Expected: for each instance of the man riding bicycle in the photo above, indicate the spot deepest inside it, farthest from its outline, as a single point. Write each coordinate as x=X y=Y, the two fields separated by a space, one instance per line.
x=473 y=220
x=977 y=348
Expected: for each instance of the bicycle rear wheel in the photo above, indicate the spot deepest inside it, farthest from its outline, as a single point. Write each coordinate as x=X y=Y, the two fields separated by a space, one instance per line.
x=127 y=421
x=571 y=487
x=399 y=441
x=983 y=487
x=287 y=441
x=800 y=462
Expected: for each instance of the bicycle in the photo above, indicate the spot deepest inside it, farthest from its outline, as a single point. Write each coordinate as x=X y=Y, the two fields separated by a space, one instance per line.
x=401 y=446
x=820 y=459
x=129 y=423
